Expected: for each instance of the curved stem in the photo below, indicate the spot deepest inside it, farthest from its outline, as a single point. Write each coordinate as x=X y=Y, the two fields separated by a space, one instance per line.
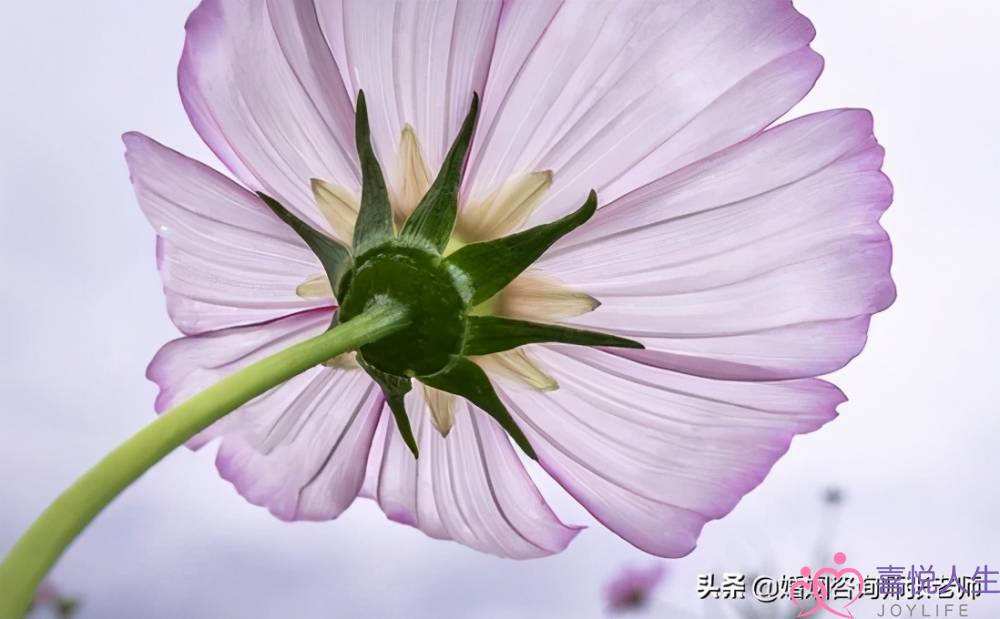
x=39 y=548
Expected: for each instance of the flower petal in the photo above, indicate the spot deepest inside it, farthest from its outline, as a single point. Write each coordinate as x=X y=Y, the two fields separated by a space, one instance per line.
x=655 y=454
x=262 y=88
x=762 y=262
x=305 y=457
x=339 y=207
x=414 y=177
x=316 y=287
x=517 y=366
x=613 y=95
x=225 y=259
x=469 y=487
x=301 y=448
x=188 y=365
x=505 y=210
x=535 y=296
x=369 y=489
x=419 y=64
x=442 y=408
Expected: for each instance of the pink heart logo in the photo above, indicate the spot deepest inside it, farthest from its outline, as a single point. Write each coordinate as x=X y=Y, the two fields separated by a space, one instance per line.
x=817 y=587
x=806 y=601
x=839 y=607
x=811 y=592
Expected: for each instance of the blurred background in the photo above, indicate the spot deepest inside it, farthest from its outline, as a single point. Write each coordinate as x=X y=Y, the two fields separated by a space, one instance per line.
x=914 y=451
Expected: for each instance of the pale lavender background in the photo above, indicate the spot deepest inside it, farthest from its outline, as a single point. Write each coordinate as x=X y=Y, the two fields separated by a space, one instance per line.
x=82 y=313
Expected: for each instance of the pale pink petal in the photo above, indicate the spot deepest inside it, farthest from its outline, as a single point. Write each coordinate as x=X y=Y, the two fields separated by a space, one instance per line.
x=300 y=449
x=469 y=487
x=522 y=25
x=655 y=454
x=612 y=95
x=747 y=107
x=419 y=63
x=225 y=259
x=304 y=457
x=369 y=489
x=764 y=261
x=262 y=88
x=186 y=366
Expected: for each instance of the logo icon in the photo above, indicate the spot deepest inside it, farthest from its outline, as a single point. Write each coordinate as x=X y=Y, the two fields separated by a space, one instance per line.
x=817 y=585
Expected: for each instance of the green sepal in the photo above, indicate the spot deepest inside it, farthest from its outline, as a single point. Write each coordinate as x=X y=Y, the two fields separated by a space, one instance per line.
x=490 y=334
x=335 y=258
x=395 y=389
x=483 y=269
x=374 y=223
x=430 y=225
x=466 y=379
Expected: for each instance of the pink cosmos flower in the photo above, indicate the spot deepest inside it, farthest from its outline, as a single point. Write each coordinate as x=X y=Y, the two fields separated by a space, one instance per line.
x=49 y=597
x=632 y=587
x=748 y=260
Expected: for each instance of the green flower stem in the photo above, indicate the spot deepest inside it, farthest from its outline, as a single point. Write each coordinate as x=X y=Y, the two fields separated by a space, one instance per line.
x=38 y=549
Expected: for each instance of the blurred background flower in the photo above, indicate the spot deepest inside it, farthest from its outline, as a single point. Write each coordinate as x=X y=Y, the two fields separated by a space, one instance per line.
x=831 y=501
x=632 y=589
x=51 y=602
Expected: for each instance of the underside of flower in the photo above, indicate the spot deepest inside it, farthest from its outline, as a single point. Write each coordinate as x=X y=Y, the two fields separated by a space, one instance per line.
x=451 y=276
x=747 y=258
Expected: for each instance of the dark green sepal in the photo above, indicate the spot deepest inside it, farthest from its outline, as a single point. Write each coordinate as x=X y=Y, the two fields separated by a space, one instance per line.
x=490 y=334
x=431 y=223
x=466 y=379
x=395 y=389
x=335 y=258
x=374 y=224
x=482 y=269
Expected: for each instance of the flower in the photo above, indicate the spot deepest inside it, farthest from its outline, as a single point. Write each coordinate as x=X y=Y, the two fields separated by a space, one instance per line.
x=833 y=496
x=632 y=587
x=748 y=260
x=48 y=596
